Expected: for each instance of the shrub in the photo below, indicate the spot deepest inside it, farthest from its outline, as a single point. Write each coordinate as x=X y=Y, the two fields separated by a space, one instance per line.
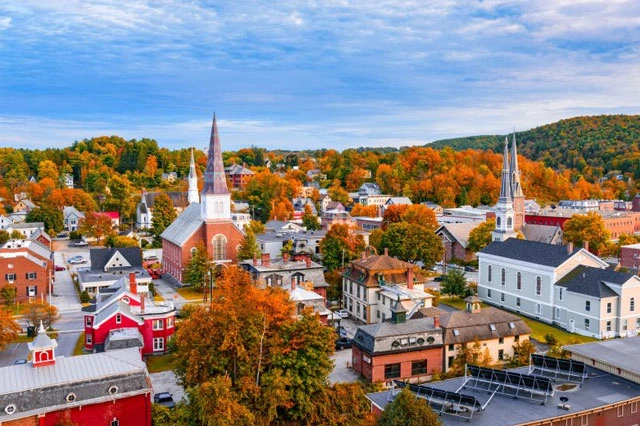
x=551 y=339
x=75 y=235
x=84 y=297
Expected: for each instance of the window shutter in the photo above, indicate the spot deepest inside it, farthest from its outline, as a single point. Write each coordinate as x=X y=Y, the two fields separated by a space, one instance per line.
x=26 y=275
x=35 y=275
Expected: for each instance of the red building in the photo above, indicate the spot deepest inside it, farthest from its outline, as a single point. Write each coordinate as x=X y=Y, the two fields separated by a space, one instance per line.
x=238 y=176
x=207 y=222
x=28 y=266
x=111 y=388
x=124 y=316
x=630 y=256
x=398 y=350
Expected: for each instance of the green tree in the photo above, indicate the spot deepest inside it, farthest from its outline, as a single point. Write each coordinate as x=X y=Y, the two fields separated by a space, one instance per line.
x=310 y=220
x=480 y=236
x=121 y=241
x=590 y=227
x=52 y=217
x=249 y=246
x=470 y=354
x=256 y=227
x=16 y=235
x=163 y=214
x=412 y=243
x=195 y=273
x=120 y=199
x=455 y=283
x=340 y=245
x=522 y=351
x=408 y=410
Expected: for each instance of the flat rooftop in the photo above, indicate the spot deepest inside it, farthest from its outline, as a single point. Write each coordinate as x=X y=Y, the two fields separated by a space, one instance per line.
x=619 y=353
x=598 y=389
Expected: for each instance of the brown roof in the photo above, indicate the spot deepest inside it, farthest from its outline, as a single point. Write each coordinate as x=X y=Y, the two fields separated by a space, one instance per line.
x=472 y=326
x=381 y=263
x=215 y=180
x=428 y=313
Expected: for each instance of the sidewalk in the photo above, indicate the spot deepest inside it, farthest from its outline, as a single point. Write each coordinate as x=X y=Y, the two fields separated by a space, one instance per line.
x=64 y=295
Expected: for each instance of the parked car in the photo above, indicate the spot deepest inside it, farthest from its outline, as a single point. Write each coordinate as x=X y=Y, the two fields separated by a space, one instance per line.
x=60 y=268
x=439 y=278
x=81 y=244
x=154 y=274
x=343 y=342
x=470 y=269
x=20 y=361
x=164 y=398
x=76 y=260
x=343 y=313
x=62 y=235
x=151 y=257
x=342 y=332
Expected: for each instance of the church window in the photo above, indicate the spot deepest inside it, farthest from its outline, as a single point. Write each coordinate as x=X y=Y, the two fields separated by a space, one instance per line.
x=489 y=273
x=519 y=281
x=504 y=277
x=498 y=222
x=193 y=251
x=509 y=223
x=219 y=247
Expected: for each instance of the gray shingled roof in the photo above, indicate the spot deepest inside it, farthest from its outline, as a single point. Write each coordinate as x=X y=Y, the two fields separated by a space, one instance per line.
x=100 y=256
x=379 y=338
x=529 y=251
x=471 y=325
x=184 y=226
x=592 y=281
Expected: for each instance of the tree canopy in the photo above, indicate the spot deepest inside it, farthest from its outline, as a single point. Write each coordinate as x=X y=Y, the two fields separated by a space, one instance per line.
x=480 y=236
x=340 y=245
x=413 y=243
x=589 y=227
x=408 y=410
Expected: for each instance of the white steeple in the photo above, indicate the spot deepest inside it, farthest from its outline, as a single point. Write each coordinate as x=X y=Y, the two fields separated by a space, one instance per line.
x=192 y=195
x=504 y=208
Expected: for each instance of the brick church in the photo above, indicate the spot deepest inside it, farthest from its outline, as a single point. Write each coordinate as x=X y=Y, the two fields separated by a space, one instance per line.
x=207 y=219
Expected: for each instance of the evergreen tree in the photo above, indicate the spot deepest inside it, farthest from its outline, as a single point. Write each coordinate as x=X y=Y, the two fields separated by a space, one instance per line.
x=249 y=246
x=455 y=283
x=163 y=214
x=195 y=273
x=310 y=220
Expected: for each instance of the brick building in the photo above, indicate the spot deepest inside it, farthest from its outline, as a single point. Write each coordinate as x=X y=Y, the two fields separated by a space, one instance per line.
x=111 y=388
x=455 y=239
x=28 y=266
x=124 y=315
x=238 y=175
x=207 y=222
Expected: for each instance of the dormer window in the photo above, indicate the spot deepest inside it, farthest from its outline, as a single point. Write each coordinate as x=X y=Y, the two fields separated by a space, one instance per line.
x=118 y=319
x=456 y=332
x=492 y=327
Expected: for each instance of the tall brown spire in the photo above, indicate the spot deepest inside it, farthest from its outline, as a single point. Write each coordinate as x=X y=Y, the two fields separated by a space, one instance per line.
x=215 y=181
x=516 y=188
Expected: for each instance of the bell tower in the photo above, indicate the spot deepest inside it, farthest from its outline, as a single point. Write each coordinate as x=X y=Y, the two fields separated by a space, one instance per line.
x=504 y=208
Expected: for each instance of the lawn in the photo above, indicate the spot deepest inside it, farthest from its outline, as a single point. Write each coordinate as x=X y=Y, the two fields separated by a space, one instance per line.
x=538 y=329
x=77 y=349
x=156 y=364
x=190 y=293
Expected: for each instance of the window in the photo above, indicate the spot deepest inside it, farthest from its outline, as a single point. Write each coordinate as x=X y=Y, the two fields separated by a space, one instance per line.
x=586 y=323
x=450 y=361
x=170 y=322
x=517 y=301
x=31 y=275
x=634 y=407
x=519 y=281
x=32 y=291
x=115 y=422
x=10 y=277
x=624 y=325
x=587 y=305
x=608 y=325
x=489 y=273
x=501 y=340
x=358 y=291
x=419 y=367
x=501 y=354
x=492 y=327
x=538 y=286
x=632 y=304
x=558 y=312
x=584 y=420
x=502 y=297
x=87 y=321
x=560 y=294
x=118 y=319
x=158 y=324
x=621 y=411
x=158 y=344
x=392 y=371
x=219 y=247
x=609 y=307
x=193 y=251
x=538 y=309
x=516 y=338
x=503 y=277
x=489 y=292
x=450 y=346
x=637 y=323
x=88 y=339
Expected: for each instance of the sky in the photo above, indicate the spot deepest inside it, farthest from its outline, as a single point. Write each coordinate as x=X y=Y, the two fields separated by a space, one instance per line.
x=309 y=74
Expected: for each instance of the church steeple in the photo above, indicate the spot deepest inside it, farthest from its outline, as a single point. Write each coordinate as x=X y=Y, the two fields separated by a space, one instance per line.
x=192 y=195
x=517 y=195
x=505 y=185
x=215 y=197
x=504 y=208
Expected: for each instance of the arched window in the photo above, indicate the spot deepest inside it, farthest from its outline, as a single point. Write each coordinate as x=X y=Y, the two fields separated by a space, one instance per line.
x=489 y=273
x=503 y=277
x=193 y=251
x=219 y=247
x=509 y=223
x=632 y=304
x=519 y=281
x=498 y=222
x=538 y=286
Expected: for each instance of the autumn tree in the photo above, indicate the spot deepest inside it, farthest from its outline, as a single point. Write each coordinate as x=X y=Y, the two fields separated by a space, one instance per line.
x=393 y=214
x=249 y=247
x=310 y=220
x=96 y=225
x=359 y=210
x=471 y=353
x=419 y=214
x=413 y=243
x=522 y=351
x=408 y=410
x=590 y=227
x=163 y=214
x=338 y=193
x=195 y=272
x=4 y=236
x=9 y=328
x=48 y=169
x=480 y=236
x=121 y=241
x=44 y=312
x=339 y=245
x=256 y=227
x=52 y=218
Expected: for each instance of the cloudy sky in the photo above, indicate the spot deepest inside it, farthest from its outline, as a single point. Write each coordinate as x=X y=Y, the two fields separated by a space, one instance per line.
x=296 y=74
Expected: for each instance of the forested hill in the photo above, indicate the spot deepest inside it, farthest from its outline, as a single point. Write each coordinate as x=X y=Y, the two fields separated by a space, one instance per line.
x=594 y=145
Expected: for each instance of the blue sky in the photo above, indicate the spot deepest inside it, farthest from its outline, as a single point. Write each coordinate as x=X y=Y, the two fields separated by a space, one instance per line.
x=309 y=74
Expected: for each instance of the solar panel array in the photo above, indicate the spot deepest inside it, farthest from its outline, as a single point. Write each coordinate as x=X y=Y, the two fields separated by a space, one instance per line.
x=508 y=383
x=568 y=369
x=445 y=402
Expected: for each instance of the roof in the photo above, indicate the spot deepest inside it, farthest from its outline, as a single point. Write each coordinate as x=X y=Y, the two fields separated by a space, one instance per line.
x=379 y=338
x=399 y=200
x=530 y=251
x=178 y=198
x=619 y=353
x=71 y=210
x=592 y=281
x=112 y=215
x=542 y=233
x=101 y=256
x=215 y=180
x=477 y=325
x=459 y=231
x=188 y=222
x=370 y=270
x=300 y=294
x=237 y=169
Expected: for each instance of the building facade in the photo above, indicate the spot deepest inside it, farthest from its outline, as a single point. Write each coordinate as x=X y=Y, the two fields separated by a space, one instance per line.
x=28 y=266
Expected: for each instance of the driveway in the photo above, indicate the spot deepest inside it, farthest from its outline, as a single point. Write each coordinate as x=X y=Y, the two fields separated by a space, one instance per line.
x=166 y=381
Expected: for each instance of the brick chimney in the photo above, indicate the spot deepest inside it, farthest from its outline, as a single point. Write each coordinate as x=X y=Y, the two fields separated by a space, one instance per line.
x=585 y=244
x=142 y=297
x=386 y=251
x=308 y=261
x=410 y=278
x=285 y=257
x=364 y=255
x=436 y=321
x=569 y=248
x=255 y=260
x=133 y=285
x=293 y=283
x=265 y=260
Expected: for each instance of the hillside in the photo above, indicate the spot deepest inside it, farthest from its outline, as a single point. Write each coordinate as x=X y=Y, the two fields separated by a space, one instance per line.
x=594 y=145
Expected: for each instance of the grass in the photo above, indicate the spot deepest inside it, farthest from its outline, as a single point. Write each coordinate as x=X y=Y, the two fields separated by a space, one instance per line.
x=156 y=364
x=190 y=293
x=158 y=298
x=538 y=329
x=77 y=349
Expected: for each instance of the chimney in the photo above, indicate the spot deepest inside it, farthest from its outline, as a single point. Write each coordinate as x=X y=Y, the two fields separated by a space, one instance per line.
x=133 y=285
x=285 y=257
x=570 y=248
x=255 y=260
x=585 y=244
x=436 y=321
x=265 y=260
x=386 y=251
x=308 y=260
x=364 y=255
x=142 y=297
x=293 y=283
x=410 y=278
